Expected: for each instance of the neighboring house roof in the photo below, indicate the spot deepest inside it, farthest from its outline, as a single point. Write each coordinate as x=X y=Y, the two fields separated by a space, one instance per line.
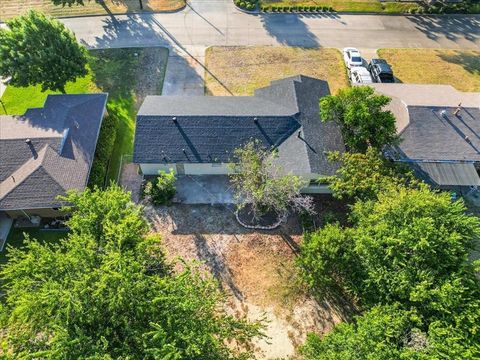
x=404 y=95
x=435 y=133
x=448 y=174
x=439 y=138
x=284 y=115
x=58 y=154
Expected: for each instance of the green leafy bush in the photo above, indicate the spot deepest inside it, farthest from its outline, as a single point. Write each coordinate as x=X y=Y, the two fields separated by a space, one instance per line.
x=103 y=151
x=249 y=5
x=160 y=190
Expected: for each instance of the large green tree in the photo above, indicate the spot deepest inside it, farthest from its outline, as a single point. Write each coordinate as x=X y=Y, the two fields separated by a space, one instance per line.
x=106 y=292
x=35 y=49
x=401 y=248
x=392 y=333
x=362 y=117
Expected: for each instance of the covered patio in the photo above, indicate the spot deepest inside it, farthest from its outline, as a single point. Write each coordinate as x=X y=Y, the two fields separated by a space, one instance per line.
x=203 y=189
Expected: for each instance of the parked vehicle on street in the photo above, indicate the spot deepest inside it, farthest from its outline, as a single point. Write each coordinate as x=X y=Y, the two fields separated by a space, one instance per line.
x=352 y=57
x=381 y=71
x=360 y=75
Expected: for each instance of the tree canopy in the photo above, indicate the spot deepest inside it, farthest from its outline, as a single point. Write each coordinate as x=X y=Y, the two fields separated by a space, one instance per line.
x=361 y=116
x=107 y=292
x=400 y=247
x=407 y=248
x=35 y=49
x=365 y=175
x=263 y=185
x=392 y=333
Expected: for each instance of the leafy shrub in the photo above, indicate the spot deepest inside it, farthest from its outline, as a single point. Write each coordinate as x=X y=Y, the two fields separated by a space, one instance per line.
x=104 y=149
x=249 y=5
x=160 y=190
x=325 y=8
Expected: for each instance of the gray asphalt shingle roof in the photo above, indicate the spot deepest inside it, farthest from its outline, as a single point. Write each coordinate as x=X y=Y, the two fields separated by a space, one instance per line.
x=63 y=138
x=435 y=133
x=208 y=129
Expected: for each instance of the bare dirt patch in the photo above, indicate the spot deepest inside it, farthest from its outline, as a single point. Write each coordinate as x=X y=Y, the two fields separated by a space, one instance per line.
x=241 y=70
x=256 y=269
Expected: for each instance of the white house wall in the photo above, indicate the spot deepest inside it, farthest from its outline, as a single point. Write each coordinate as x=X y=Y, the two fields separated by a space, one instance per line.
x=153 y=169
x=223 y=169
x=206 y=169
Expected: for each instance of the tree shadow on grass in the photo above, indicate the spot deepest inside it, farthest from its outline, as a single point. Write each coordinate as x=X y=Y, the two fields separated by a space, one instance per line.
x=114 y=70
x=470 y=61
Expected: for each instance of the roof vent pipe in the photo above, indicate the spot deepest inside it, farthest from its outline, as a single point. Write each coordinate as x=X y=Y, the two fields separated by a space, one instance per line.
x=174 y=119
x=28 y=141
x=255 y=120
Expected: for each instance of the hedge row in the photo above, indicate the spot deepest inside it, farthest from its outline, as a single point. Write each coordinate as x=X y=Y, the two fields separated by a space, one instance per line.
x=103 y=151
x=463 y=7
x=297 y=9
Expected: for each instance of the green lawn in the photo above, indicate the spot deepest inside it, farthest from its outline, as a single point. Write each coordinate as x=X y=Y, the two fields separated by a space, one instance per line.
x=116 y=71
x=16 y=237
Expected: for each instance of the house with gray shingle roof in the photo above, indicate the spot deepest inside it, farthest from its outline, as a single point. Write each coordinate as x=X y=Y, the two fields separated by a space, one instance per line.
x=47 y=151
x=197 y=135
x=439 y=129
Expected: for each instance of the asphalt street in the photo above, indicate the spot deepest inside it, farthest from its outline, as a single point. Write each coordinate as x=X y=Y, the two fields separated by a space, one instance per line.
x=217 y=22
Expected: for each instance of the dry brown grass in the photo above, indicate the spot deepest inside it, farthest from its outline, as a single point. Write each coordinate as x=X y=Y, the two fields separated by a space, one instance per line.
x=459 y=68
x=11 y=8
x=240 y=70
x=255 y=269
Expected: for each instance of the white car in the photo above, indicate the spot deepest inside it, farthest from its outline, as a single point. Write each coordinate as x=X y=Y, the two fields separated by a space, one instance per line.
x=360 y=75
x=352 y=57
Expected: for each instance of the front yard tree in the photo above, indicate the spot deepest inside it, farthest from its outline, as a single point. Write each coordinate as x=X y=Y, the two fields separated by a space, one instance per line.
x=361 y=116
x=261 y=185
x=106 y=292
x=35 y=49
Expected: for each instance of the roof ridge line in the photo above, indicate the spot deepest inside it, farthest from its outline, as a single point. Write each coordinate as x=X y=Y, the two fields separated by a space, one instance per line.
x=21 y=174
